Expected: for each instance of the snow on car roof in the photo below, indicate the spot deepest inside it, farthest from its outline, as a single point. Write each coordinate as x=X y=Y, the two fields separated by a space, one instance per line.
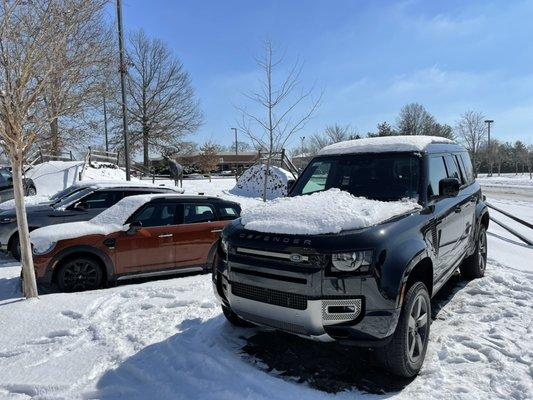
x=109 y=184
x=384 y=144
x=109 y=221
x=331 y=211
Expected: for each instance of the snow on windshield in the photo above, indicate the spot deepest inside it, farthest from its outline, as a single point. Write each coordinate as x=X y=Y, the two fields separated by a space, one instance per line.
x=331 y=211
x=383 y=144
x=109 y=221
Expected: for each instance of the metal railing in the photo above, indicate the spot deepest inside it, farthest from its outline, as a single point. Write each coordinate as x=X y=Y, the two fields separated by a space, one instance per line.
x=511 y=230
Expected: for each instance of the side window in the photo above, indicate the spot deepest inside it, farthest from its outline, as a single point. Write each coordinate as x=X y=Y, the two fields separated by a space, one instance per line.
x=101 y=199
x=4 y=177
x=318 y=179
x=228 y=213
x=197 y=213
x=158 y=214
x=457 y=160
x=437 y=171
x=453 y=171
x=467 y=164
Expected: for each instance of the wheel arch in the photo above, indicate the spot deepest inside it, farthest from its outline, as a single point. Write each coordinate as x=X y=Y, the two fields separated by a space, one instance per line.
x=84 y=251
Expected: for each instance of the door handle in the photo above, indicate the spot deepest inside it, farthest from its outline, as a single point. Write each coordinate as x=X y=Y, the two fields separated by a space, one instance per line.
x=458 y=209
x=165 y=235
x=216 y=230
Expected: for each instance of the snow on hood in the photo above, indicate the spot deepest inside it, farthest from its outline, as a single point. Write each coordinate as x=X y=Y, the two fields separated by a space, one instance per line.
x=109 y=221
x=331 y=211
x=251 y=182
x=383 y=144
x=28 y=201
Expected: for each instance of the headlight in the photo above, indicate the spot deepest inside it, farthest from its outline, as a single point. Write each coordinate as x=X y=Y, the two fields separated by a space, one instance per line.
x=224 y=245
x=351 y=261
x=39 y=252
x=7 y=220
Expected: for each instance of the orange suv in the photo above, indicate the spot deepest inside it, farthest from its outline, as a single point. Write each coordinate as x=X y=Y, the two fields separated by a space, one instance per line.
x=140 y=236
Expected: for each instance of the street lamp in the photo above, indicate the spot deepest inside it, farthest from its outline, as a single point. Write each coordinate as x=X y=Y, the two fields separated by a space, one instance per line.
x=489 y=122
x=236 y=151
x=123 y=71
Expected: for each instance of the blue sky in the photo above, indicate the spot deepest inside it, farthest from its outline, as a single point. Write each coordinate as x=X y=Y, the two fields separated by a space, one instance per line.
x=369 y=58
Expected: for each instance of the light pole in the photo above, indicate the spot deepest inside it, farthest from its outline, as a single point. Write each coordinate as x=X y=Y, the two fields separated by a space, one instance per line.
x=489 y=148
x=105 y=125
x=302 y=138
x=123 y=71
x=236 y=151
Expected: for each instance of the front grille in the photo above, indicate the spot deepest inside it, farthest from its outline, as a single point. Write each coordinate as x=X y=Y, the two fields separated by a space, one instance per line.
x=269 y=296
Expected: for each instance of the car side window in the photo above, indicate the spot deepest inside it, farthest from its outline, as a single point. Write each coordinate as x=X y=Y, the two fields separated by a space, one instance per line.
x=198 y=213
x=4 y=177
x=437 y=171
x=157 y=214
x=467 y=164
x=228 y=213
x=101 y=199
x=453 y=171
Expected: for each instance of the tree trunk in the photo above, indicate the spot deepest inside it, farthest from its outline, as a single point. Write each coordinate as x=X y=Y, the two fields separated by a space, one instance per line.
x=265 y=182
x=55 y=144
x=146 y=155
x=29 y=284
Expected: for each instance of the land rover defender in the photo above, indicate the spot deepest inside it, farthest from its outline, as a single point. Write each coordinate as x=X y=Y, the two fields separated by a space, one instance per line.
x=372 y=286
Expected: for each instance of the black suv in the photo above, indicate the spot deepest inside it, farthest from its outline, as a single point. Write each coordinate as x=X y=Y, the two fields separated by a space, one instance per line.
x=379 y=295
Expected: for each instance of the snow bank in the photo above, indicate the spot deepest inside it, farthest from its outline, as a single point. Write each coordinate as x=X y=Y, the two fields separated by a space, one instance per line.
x=52 y=176
x=383 y=144
x=250 y=183
x=109 y=221
x=105 y=171
x=331 y=211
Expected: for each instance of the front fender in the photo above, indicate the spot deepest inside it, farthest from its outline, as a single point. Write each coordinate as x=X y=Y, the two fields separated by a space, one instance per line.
x=106 y=260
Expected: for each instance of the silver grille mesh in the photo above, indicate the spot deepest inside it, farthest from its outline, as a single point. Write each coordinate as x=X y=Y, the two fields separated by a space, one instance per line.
x=340 y=316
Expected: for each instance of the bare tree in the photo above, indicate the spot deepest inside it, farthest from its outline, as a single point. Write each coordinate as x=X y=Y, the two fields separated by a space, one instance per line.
x=471 y=129
x=332 y=134
x=163 y=107
x=281 y=107
x=413 y=120
x=75 y=87
x=31 y=34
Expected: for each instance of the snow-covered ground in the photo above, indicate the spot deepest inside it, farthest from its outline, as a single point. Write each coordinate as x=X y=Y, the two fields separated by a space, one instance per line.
x=167 y=339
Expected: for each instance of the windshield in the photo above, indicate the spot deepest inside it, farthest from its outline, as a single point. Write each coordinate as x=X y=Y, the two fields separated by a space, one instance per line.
x=66 y=192
x=72 y=197
x=385 y=177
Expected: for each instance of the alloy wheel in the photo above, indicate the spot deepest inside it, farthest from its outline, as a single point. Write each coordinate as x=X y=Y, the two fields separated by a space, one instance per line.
x=482 y=250
x=417 y=329
x=80 y=275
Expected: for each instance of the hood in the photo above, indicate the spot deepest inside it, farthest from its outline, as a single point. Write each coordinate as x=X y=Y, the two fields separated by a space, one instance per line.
x=328 y=212
x=30 y=209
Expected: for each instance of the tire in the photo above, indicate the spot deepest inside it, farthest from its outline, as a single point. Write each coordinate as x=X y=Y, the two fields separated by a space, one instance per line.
x=234 y=319
x=79 y=274
x=14 y=247
x=31 y=191
x=405 y=353
x=474 y=266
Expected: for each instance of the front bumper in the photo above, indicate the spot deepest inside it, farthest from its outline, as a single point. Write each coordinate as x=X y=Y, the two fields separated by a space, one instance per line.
x=343 y=316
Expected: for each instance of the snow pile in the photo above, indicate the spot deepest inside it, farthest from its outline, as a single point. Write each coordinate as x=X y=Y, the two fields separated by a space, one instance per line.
x=52 y=176
x=331 y=211
x=383 y=144
x=251 y=182
x=108 y=221
x=105 y=171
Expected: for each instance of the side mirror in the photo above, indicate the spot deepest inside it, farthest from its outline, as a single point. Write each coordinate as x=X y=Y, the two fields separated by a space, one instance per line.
x=290 y=185
x=81 y=206
x=449 y=187
x=135 y=227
